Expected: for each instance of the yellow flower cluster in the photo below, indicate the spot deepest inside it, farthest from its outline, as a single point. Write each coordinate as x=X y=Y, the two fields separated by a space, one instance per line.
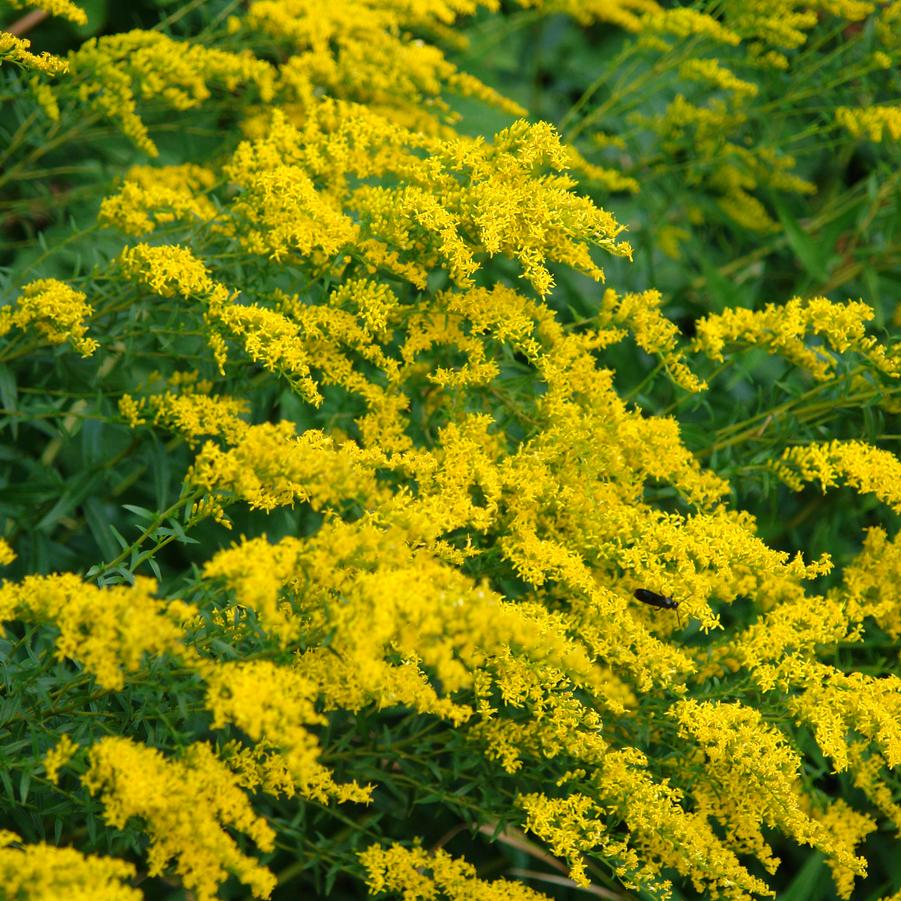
x=272 y=705
x=43 y=872
x=107 y=630
x=16 y=51
x=570 y=826
x=869 y=582
x=59 y=756
x=271 y=466
x=709 y=70
x=7 y=554
x=684 y=21
x=465 y=201
x=193 y=413
x=784 y=327
x=626 y=14
x=167 y=270
x=876 y=122
x=560 y=724
x=45 y=97
x=54 y=310
x=481 y=506
x=848 y=828
x=414 y=873
x=256 y=571
x=864 y=467
x=366 y=53
x=867 y=769
x=663 y=835
x=654 y=333
x=111 y=73
x=834 y=703
x=274 y=341
x=64 y=8
x=187 y=805
x=750 y=779
x=258 y=769
x=154 y=196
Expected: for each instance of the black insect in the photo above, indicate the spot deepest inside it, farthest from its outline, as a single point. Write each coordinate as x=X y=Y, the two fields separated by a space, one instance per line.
x=652 y=599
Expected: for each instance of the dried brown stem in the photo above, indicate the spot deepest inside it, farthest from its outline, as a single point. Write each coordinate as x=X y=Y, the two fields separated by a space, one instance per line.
x=27 y=22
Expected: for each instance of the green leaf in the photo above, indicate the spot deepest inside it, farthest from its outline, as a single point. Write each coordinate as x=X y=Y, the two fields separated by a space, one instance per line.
x=814 y=255
x=142 y=512
x=74 y=495
x=7 y=781
x=808 y=883
x=161 y=468
x=9 y=397
x=718 y=292
x=98 y=523
x=118 y=536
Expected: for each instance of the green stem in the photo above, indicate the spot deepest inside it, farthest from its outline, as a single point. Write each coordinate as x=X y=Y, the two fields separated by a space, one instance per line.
x=158 y=520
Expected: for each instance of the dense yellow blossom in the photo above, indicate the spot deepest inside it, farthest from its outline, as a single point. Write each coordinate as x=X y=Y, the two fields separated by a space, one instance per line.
x=64 y=8
x=751 y=779
x=365 y=52
x=467 y=200
x=133 y=780
x=45 y=97
x=115 y=71
x=168 y=270
x=847 y=829
x=59 y=755
x=776 y=23
x=53 y=309
x=864 y=467
x=887 y=26
x=281 y=209
x=7 y=554
x=627 y=14
x=258 y=768
x=16 y=50
x=876 y=122
x=711 y=71
x=273 y=340
x=664 y=835
x=783 y=641
x=653 y=332
x=835 y=703
x=342 y=686
x=683 y=21
x=451 y=502
x=272 y=466
x=193 y=413
x=108 y=630
x=556 y=729
x=783 y=327
x=153 y=196
x=42 y=872
x=414 y=873
x=256 y=571
x=871 y=579
x=871 y=776
x=272 y=705
x=571 y=826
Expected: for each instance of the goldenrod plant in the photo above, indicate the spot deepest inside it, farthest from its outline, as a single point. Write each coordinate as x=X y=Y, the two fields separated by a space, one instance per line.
x=450 y=449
